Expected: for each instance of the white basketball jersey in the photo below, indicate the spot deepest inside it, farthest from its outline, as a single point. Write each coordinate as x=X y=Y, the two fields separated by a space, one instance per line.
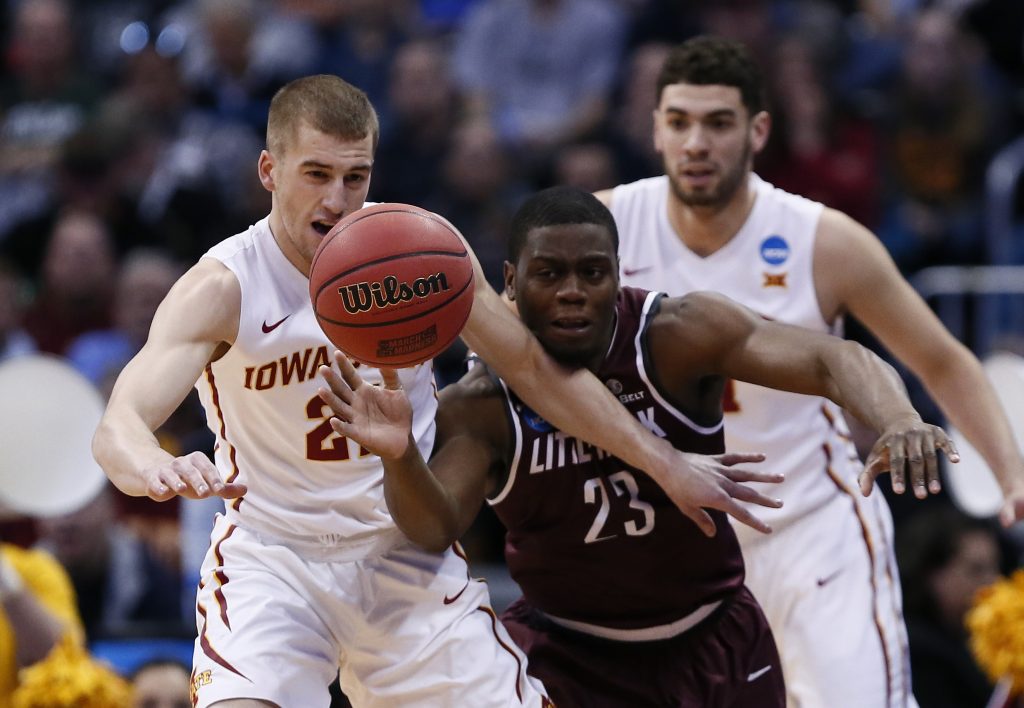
x=272 y=429
x=766 y=266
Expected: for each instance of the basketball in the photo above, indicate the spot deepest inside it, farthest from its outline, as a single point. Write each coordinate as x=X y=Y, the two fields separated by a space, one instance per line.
x=392 y=285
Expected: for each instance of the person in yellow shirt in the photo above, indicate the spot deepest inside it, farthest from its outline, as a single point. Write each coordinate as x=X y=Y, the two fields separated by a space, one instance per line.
x=37 y=609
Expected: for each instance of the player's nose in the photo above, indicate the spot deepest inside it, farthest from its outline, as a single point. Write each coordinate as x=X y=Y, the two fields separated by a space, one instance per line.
x=571 y=288
x=336 y=200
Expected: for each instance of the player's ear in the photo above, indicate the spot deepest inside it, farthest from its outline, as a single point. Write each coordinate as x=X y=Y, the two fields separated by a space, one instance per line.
x=510 y=281
x=265 y=166
x=760 y=128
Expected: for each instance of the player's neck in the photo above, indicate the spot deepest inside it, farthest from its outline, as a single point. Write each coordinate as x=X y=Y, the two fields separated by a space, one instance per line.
x=706 y=229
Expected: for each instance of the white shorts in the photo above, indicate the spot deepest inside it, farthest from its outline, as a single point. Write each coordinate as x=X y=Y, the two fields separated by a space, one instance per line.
x=829 y=585
x=406 y=628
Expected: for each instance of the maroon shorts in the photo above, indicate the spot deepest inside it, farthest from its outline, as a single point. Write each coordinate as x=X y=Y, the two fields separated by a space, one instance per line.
x=729 y=659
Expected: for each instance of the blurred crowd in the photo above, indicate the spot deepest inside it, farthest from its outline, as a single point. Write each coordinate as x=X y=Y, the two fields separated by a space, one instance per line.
x=130 y=130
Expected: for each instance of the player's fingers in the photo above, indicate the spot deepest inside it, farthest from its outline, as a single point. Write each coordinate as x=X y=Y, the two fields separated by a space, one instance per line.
x=158 y=490
x=743 y=515
x=339 y=405
x=391 y=380
x=915 y=463
x=947 y=446
x=171 y=481
x=348 y=372
x=339 y=387
x=751 y=495
x=232 y=490
x=929 y=449
x=739 y=474
x=866 y=481
x=703 y=520
x=736 y=458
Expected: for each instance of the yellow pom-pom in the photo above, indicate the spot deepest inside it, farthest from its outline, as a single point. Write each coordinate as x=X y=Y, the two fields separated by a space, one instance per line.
x=996 y=626
x=68 y=678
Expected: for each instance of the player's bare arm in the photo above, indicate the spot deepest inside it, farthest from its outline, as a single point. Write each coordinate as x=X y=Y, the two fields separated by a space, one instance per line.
x=854 y=273
x=433 y=505
x=749 y=348
x=195 y=323
x=575 y=402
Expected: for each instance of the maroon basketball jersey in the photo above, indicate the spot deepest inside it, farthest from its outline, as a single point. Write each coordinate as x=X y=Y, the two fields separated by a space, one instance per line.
x=591 y=539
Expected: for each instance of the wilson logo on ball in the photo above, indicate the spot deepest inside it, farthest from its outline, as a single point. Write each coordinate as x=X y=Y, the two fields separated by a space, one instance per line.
x=362 y=297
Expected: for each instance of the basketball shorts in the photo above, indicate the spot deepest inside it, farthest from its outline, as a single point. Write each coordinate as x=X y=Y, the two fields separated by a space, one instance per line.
x=830 y=588
x=728 y=660
x=406 y=628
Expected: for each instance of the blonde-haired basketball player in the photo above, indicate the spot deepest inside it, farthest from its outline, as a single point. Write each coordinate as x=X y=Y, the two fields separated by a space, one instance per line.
x=826 y=578
x=307 y=572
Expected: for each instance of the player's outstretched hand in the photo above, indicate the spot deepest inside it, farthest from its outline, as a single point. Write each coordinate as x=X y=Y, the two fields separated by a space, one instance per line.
x=714 y=482
x=909 y=445
x=192 y=476
x=378 y=418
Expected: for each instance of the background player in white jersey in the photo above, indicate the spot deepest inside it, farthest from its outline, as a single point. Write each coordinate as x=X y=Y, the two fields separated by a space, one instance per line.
x=827 y=578
x=625 y=602
x=307 y=571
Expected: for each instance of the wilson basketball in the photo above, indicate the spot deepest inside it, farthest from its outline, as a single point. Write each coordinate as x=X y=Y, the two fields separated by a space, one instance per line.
x=392 y=285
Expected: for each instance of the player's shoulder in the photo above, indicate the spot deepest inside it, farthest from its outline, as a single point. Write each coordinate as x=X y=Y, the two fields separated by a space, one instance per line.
x=698 y=320
x=696 y=306
x=628 y=192
x=840 y=239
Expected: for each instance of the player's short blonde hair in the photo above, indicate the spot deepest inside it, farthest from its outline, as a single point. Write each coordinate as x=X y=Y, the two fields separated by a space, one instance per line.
x=324 y=102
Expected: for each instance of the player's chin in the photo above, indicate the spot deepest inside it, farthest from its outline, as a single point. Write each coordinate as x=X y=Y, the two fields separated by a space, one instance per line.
x=569 y=349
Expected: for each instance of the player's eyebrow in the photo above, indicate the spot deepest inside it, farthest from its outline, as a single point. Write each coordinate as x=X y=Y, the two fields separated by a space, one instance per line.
x=716 y=113
x=316 y=164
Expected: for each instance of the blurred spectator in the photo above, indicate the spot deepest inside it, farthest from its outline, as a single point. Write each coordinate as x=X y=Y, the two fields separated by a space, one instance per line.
x=238 y=54
x=945 y=557
x=1000 y=26
x=540 y=70
x=478 y=192
x=413 y=142
x=90 y=178
x=941 y=130
x=44 y=98
x=162 y=683
x=46 y=95
x=587 y=165
x=37 y=608
x=143 y=280
x=818 y=149
x=182 y=178
x=361 y=46
x=76 y=283
x=121 y=584
x=14 y=340
x=631 y=121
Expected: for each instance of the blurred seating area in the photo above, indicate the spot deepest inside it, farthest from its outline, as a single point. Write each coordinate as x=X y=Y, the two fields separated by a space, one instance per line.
x=130 y=131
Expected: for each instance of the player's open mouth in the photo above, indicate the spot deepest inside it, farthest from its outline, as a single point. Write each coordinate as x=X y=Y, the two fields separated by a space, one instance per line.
x=698 y=172
x=322 y=227
x=571 y=324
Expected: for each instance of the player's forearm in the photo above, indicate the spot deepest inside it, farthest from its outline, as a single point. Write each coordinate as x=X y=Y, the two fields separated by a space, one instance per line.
x=419 y=504
x=967 y=399
x=124 y=447
x=860 y=382
x=576 y=402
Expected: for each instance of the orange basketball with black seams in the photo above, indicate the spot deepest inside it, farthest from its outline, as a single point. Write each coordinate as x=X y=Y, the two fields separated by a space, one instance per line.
x=392 y=285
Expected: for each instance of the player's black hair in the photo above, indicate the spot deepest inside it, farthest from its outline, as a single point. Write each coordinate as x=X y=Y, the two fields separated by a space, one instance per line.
x=715 y=61
x=556 y=206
